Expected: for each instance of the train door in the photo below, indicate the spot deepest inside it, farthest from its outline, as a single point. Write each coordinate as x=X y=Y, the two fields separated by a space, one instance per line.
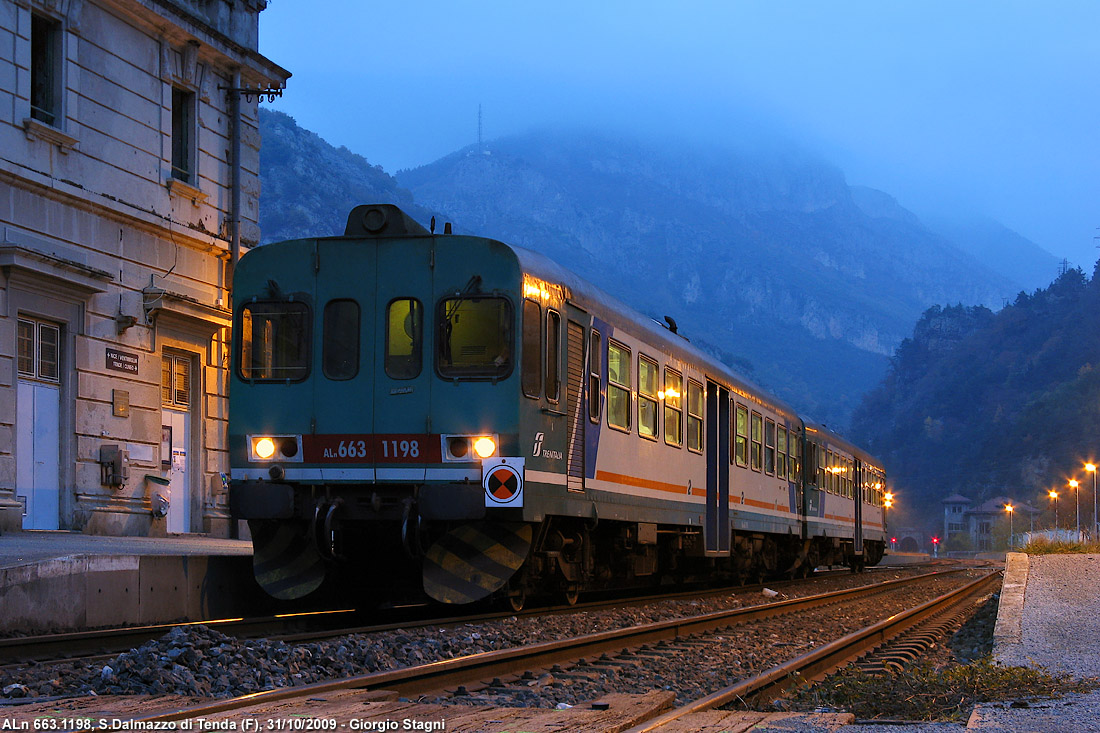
x=574 y=405
x=402 y=317
x=858 y=491
x=717 y=529
x=346 y=321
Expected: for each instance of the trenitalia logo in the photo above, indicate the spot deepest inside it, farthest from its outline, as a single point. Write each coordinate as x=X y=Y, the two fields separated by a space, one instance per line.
x=538 y=444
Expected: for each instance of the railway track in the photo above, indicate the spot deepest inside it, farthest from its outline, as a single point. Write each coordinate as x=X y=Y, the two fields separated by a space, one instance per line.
x=316 y=625
x=639 y=645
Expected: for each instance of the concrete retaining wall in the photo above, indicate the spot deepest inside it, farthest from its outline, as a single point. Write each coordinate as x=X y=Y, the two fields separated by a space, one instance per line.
x=90 y=591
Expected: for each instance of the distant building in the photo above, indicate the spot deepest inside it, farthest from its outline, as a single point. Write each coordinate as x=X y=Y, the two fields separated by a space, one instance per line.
x=977 y=523
x=129 y=182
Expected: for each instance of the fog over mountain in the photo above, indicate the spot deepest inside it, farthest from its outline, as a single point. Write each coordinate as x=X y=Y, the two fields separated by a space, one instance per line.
x=768 y=258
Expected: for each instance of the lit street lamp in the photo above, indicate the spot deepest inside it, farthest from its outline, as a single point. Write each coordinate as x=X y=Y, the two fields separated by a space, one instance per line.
x=1054 y=500
x=1094 y=533
x=1077 y=492
x=1009 y=508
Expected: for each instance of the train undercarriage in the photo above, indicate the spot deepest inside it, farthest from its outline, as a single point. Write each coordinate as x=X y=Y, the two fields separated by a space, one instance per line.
x=380 y=549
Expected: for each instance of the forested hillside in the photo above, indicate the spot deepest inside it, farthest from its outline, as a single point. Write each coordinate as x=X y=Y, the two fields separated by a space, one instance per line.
x=982 y=403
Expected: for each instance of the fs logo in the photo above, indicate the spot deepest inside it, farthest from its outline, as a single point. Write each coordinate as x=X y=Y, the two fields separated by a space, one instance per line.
x=538 y=444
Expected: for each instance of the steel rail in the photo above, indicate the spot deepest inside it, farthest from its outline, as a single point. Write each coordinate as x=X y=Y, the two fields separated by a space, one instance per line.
x=95 y=644
x=812 y=665
x=444 y=673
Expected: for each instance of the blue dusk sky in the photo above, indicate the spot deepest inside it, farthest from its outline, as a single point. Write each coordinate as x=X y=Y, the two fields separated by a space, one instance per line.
x=978 y=107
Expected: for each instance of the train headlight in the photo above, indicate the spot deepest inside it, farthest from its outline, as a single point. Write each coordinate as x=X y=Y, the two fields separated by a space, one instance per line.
x=275 y=448
x=485 y=447
x=265 y=448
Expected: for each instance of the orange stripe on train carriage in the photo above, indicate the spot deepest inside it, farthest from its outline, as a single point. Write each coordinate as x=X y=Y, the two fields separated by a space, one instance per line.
x=645 y=483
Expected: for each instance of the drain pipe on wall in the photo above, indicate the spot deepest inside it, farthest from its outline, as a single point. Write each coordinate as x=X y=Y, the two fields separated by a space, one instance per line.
x=235 y=204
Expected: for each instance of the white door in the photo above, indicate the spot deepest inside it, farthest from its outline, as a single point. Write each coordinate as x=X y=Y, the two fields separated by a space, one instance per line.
x=37 y=461
x=179 y=498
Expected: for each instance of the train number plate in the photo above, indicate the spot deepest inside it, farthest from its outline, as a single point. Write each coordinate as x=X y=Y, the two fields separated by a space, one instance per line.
x=394 y=448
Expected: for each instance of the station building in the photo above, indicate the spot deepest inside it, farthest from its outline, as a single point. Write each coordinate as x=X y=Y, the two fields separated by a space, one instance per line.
x=129 y=185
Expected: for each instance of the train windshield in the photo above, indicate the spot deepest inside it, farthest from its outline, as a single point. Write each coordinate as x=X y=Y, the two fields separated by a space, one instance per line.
x=274 y=342
x=474 y=337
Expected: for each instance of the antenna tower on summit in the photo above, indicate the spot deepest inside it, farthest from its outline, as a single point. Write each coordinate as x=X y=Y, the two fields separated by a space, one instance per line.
x=479 y=148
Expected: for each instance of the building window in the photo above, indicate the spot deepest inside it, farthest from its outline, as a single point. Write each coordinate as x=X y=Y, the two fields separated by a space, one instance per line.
x=695 y=417
x=618 y=386
x=340 y=340
x=183 y=135
x=647 y=397
x=674 y=411
x=175 y=381
x=741 y=431
x=531 y=359
x=39 y=350
x=45 y=70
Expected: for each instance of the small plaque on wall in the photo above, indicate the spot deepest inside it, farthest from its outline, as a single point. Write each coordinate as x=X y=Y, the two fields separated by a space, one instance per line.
x=120 y=398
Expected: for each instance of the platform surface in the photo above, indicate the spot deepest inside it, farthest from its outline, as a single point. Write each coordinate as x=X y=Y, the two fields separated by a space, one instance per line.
x=33 y=546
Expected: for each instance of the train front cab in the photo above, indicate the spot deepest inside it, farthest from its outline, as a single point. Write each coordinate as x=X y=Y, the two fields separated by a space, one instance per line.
x=378 y=364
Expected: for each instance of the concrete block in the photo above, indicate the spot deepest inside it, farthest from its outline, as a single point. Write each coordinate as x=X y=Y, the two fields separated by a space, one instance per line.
x=44 y=595
x=111 y=590
x=163 y=590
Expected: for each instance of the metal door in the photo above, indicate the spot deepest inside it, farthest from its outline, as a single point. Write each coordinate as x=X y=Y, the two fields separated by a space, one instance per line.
x=717 y=529
x=858 y=478
x=179 y=489
x=402 y=318
x=38 y=480
x=574 y=404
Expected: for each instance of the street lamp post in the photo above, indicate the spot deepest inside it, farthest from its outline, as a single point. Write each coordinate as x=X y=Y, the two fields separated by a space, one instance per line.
x=1077 y=492
x=1009 y=508
x=1054 y=500
x=1095 y=531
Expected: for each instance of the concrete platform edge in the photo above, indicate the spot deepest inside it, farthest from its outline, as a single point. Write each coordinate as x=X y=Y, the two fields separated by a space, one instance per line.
x=1010 y=611
x=89 y=591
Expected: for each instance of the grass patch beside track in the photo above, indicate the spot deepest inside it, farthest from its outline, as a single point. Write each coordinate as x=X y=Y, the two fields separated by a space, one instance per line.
x=1044 y=546
x=930 y=693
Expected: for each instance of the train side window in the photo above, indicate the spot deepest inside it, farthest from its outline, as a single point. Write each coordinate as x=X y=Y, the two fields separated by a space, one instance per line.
x=850 y=480
x=647 y=397
x=274 y=341
x=821 y=469
x=618 y=386
x=794 y=472
x=553 y=355
x=756 y=455
x=741 y=431
x=674 y=408
x=531 y=358
x=340 y=340
x=769 y=446
x=781 y=452
x=595 y=354
x=474 y=337
x=404 y=329
x=695 y=416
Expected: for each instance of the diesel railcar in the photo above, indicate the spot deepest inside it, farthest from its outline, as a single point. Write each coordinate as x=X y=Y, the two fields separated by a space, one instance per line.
x=419 y=414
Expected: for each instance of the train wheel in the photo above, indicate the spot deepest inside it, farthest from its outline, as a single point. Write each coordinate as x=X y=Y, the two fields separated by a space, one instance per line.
x=572 y=593
x=517 y=599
